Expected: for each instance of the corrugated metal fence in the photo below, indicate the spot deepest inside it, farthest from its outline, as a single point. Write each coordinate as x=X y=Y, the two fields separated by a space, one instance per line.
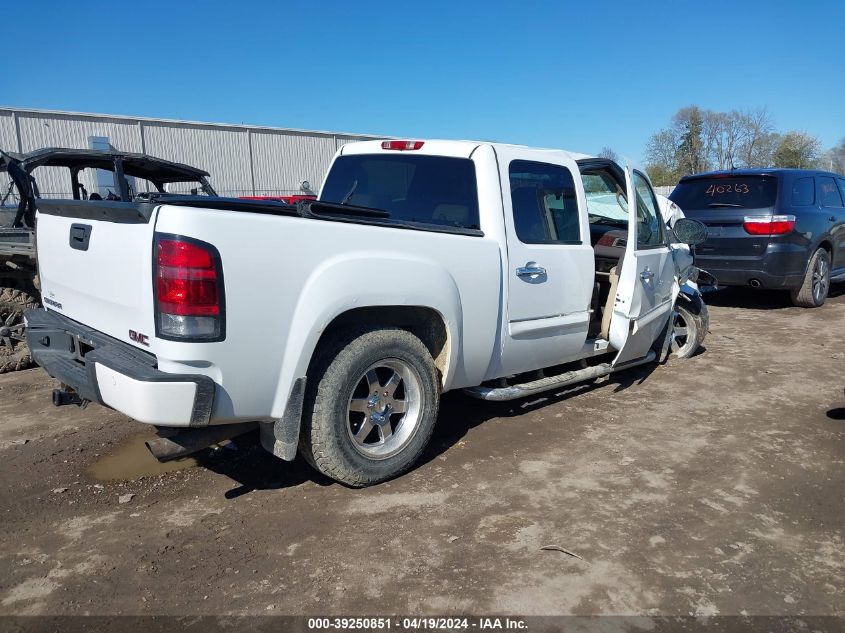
x=242 y=159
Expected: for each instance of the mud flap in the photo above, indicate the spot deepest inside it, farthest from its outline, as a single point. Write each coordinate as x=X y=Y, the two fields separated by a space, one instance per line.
x=282 y=436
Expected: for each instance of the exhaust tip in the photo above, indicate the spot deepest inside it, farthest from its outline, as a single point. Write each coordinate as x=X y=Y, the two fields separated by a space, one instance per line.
x=755 y=283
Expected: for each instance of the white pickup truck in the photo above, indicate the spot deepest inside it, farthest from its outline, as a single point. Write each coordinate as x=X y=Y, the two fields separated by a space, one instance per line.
x=335 y=325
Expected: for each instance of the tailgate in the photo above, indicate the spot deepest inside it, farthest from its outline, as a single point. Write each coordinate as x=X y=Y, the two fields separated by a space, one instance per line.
x=95 y=262
x=726 y=235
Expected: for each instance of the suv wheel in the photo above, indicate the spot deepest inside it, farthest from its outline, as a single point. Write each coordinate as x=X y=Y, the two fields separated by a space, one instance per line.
x=814 y=289
x=370 y=407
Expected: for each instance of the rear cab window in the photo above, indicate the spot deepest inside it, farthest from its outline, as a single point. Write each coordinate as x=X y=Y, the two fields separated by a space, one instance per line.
x=728 y=192
x=545 y=207
x=419 y=189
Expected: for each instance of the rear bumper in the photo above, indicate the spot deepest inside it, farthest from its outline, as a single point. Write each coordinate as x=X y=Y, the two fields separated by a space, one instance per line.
x=782 y=266
x=102 y=369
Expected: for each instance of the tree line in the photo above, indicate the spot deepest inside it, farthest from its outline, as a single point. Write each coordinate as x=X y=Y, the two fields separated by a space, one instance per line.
x=698 y=140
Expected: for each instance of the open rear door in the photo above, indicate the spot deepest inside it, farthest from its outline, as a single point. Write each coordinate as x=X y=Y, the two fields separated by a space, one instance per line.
x=645 y=292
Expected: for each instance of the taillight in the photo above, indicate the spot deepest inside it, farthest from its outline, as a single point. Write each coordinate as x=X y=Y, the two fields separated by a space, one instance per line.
x=769 y=224
x=402 y=145
x=188 y=290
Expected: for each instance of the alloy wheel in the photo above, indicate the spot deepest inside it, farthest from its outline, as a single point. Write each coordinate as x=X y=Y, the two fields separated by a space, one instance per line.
x=384 y=408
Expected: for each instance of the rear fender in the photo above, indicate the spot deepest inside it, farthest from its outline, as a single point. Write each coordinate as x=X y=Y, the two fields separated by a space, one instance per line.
x=359 y=280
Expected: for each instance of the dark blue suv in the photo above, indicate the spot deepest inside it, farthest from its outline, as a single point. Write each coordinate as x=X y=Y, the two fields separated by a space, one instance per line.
x=770 y=228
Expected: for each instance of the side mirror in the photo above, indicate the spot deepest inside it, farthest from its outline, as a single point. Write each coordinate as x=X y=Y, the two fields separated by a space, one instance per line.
x=689 y=231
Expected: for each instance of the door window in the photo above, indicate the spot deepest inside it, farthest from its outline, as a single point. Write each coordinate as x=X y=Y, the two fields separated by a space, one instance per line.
x=828 y=192
x=650 y=232
x=545 y=208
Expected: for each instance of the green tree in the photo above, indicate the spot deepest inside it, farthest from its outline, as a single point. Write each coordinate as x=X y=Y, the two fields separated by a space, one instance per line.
x=797 y=149
x=691 y=154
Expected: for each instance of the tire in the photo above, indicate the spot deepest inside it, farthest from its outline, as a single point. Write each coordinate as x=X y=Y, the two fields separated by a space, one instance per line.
x=813 y=291
x=689 y=329
x=352 y=428
x=14 y=352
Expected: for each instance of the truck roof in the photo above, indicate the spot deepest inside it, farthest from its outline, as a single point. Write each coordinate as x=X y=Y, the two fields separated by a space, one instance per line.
x=457 y=149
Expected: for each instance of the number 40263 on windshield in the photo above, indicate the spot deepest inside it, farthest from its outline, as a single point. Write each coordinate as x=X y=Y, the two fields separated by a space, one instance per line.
x=739 y=187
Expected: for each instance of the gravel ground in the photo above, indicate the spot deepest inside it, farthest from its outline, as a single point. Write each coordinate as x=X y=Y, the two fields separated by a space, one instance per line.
x=707 y=486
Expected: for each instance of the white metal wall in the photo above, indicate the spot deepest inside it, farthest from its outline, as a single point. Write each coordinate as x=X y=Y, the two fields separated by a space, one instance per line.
x=242 y=160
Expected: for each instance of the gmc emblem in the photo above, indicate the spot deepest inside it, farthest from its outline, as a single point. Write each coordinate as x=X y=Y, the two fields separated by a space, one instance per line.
x=143 y=339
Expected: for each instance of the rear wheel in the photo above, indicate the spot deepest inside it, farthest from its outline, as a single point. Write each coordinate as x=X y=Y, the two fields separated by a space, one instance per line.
x=370 y=406
x=814 y=289
x=14 y=352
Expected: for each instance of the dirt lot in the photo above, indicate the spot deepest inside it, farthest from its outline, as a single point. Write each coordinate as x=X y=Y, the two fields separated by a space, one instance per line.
x=708 y=486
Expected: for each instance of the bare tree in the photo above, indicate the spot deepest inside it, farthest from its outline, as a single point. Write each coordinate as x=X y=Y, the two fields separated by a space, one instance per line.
x=661 y=158
x=607 y=152
x=834 y=158
x=757 y=148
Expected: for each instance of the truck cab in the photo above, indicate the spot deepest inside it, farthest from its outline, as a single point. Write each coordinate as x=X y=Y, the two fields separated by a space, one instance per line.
x=580 y=276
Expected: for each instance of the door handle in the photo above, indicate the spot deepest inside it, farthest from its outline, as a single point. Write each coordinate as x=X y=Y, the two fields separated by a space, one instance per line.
x=80 y=235
x=531 y=269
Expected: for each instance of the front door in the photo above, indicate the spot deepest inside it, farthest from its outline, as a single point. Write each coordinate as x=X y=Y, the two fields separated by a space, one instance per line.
x=647 y=286
x=550 y=261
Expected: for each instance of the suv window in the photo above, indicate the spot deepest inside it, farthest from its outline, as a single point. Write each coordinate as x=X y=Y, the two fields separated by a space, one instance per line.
x=422 y=189
x=545 y=208
x=728 y=192
x=841 y=182
x=649 y=222
x=828 y=193
x=803 y=192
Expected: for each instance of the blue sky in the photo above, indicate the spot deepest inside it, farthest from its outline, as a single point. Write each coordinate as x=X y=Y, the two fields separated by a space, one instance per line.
x=574 y=75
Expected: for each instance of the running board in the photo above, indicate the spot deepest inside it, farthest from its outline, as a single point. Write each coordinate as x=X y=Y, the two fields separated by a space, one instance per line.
x=512 y=392
x=838 y=277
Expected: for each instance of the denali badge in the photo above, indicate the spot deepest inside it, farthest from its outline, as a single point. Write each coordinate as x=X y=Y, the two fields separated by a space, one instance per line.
x=143 y=339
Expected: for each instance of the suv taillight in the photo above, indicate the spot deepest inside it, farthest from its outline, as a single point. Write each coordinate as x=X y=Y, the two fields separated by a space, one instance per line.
x=769 y=225
x=189 y=297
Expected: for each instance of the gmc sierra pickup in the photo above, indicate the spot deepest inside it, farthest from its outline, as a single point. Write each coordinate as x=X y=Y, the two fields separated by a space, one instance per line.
x=335 y=324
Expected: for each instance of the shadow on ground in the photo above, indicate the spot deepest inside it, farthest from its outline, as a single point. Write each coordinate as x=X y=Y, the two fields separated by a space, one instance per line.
x=750 y=298
x=255 y=469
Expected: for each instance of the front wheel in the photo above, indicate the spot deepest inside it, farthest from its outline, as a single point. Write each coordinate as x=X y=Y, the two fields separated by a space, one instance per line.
x=370 y=406
x=688 y=329
x=816 y=284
